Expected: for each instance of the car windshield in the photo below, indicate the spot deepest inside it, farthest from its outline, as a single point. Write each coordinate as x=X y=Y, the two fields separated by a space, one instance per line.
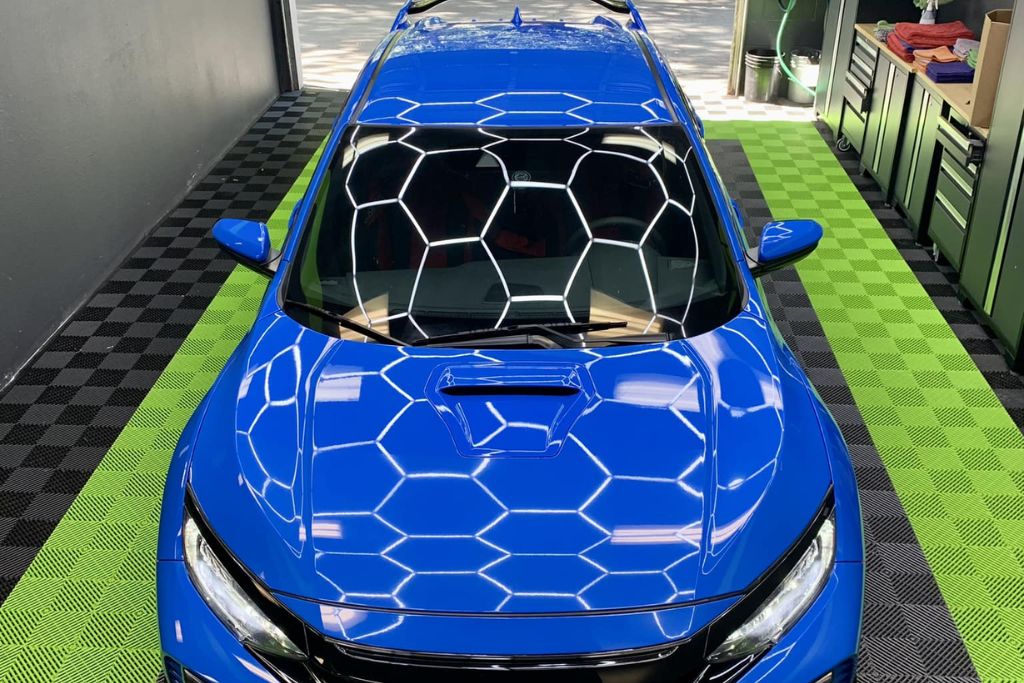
x=428 y=232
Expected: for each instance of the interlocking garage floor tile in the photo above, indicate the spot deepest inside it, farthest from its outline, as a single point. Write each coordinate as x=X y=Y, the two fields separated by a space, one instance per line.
x=63 y=413
x=906 y=622
x=951 y=449
x=84 y=610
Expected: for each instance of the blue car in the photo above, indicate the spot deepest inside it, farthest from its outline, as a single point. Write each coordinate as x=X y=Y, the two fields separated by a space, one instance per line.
x=513 y=407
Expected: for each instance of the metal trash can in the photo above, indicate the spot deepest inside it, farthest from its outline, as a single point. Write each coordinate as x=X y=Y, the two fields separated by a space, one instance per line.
x=805 y=63
x=762 y=78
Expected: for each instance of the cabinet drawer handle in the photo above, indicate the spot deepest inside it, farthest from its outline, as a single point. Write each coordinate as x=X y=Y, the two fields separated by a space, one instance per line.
x=955 y=178
x=953 y=213
x=951 y=138
x=860 y=62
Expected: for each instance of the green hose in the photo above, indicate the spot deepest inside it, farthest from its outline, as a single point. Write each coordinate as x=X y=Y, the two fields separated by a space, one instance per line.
x=778 y=48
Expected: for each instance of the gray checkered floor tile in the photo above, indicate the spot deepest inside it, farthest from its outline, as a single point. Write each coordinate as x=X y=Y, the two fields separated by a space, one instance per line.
x=908 y=633
x=712 y=104
x=61 y=415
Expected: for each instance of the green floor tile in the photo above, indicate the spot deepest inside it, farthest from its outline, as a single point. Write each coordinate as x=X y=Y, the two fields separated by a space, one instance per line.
x=86 y=608
x=954 y=454
x=956 y=458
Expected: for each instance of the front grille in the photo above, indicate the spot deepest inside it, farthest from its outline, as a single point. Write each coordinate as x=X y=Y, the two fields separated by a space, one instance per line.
x=522 y=663
x=340 y=663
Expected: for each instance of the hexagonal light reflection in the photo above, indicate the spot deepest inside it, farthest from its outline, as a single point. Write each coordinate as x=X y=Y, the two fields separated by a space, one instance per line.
x=450 y=193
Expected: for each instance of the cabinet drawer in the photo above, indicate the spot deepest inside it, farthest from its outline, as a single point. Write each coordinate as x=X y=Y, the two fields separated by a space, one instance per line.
x=852 y=127
x=964 y=147
x=863 y=58
x=857 y=94
x=860 y=70
x=947 y=230
x=957 y=192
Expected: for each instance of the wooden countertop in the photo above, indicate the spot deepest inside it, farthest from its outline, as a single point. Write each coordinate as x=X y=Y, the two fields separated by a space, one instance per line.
x=868 y=32
x=956 y=95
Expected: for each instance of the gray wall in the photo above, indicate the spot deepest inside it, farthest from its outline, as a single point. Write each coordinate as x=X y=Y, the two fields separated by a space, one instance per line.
x=972 y=12
x=110 y=110
x=805 y=28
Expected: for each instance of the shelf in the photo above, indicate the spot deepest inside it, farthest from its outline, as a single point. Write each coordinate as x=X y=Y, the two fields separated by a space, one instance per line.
x=956 y=95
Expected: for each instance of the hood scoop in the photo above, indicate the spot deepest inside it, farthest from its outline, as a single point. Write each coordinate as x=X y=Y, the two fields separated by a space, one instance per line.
x=510 y=409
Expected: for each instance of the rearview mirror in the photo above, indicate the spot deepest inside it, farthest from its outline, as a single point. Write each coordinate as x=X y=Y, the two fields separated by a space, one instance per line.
x=783 y=243
x=248 y=242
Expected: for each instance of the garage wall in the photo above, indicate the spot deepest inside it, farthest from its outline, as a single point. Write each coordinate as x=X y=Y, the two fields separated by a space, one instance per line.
x=109 y=111
x=805 y=28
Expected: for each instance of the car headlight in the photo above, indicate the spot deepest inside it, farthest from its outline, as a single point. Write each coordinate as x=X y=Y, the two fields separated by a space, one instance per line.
x=787 y=603
x=228 y=599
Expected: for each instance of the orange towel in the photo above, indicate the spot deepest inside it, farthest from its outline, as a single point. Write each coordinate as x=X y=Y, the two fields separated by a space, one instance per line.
x=939 y=54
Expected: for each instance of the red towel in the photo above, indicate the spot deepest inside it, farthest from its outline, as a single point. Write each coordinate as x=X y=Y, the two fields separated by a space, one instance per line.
x=924 y=36
x=903 y=50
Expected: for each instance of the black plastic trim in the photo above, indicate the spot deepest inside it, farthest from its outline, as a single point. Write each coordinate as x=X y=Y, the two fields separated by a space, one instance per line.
x=510 y=390
x=757 y=269
x=267 y=269
x=656 y=75
x=421 y=6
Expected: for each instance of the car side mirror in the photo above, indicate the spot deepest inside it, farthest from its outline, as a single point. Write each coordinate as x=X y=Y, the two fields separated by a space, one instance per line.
x=783 y=243
x=248 y=242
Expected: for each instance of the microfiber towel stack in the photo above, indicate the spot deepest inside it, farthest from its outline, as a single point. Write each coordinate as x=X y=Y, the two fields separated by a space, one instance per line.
x=950 y=72
x=972 y=59
x=908 y=37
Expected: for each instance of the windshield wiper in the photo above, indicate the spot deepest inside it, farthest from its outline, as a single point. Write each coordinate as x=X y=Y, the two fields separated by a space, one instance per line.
x=556 y=335
x=342 y=321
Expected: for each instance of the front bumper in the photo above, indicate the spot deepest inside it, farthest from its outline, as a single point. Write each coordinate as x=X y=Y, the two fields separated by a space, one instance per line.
x=822 y=641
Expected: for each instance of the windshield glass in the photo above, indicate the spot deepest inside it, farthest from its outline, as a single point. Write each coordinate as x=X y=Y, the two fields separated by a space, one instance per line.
x=426 y=232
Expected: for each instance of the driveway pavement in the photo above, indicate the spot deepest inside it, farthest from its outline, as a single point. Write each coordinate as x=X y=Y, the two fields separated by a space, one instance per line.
x=695 y=36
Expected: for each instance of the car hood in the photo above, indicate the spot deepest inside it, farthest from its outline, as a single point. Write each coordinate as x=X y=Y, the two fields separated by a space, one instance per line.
x=509 y=481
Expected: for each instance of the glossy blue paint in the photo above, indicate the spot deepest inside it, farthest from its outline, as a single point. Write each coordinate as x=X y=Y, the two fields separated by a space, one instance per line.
x=248 y=239
x=169 y=539
x=676 y=469
x=781 y=241
x=821 y=640
x=537 y=74
x=348 y=481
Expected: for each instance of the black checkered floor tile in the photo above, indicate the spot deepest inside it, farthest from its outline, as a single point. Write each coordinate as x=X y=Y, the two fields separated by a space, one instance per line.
x=61 y=415
x=908 y=633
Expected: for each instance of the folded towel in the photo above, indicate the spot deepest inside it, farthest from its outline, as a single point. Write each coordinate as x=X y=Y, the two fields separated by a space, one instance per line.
x=963 y=47
x=923 y=36
x=972 y=59
x=950 y=72
x=923 y=58
x=900 y=47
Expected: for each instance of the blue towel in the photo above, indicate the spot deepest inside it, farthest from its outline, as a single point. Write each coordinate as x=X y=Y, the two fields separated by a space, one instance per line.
x=950 y=72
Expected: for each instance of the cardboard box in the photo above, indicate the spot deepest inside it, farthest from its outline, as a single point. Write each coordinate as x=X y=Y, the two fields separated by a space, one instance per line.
x=990 y=64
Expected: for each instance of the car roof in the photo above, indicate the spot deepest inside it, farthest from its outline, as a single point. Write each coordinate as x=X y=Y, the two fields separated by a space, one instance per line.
x=519 y=73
